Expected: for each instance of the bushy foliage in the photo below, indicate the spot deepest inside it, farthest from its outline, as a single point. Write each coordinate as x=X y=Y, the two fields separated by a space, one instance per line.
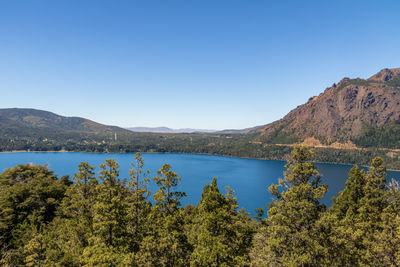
x=106 y=221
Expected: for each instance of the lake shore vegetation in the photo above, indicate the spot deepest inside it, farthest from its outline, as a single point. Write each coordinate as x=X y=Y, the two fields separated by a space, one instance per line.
x=106 y=220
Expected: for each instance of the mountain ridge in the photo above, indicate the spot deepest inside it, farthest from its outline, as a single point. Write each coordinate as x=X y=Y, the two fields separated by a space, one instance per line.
x=354 y=110
x=25 y=119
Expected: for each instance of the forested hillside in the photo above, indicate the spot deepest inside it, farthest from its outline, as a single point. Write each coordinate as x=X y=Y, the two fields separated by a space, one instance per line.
x=350 y=122
x=36 y=122
x=106 y=220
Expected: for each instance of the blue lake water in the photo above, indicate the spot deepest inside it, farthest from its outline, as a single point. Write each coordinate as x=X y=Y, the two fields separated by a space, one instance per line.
x=249 y=178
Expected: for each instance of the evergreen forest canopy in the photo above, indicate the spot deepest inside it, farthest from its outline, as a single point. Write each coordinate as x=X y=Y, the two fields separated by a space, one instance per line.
x=108 y=221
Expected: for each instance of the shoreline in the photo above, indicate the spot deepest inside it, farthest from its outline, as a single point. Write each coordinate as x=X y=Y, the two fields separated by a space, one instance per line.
x=205 y=154
x=28 y=151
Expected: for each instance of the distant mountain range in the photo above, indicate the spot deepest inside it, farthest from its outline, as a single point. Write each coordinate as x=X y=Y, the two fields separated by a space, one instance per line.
x=187 y=130
x=27 y=121
x=167 y=130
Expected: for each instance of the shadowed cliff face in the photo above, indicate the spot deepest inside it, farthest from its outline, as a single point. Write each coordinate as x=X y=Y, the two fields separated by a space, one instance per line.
x=344 y=112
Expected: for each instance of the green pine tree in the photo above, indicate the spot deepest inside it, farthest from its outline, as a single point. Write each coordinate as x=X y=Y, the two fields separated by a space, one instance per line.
x=372 y=204
x=289 y=237
x=222 y=237
x=74 y=228
x=339 y=237
x=166 y=242
x=348 y=200
x=386 y=249
x=140 y=206
x=110 y=212
x=167 y=198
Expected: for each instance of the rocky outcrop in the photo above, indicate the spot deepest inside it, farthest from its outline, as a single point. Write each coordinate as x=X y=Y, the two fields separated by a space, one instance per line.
x=343 y=112
x=385 y=75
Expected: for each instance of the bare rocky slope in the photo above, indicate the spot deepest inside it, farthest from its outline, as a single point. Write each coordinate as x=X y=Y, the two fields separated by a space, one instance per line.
x=357 y=112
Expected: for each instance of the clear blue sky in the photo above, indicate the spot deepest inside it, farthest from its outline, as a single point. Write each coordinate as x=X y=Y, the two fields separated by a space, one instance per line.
x=200 y=64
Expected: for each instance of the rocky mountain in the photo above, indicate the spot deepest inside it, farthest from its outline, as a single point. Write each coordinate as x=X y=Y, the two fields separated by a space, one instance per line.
x=356 y=112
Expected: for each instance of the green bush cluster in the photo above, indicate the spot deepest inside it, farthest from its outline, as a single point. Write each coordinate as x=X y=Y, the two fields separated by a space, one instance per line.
x=108 y=221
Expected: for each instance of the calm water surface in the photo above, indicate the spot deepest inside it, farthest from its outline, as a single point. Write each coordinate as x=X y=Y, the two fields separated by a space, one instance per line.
x=249 y=178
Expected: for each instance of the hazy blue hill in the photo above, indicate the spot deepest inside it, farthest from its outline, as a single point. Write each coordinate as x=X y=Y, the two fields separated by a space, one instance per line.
x=239 y=131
